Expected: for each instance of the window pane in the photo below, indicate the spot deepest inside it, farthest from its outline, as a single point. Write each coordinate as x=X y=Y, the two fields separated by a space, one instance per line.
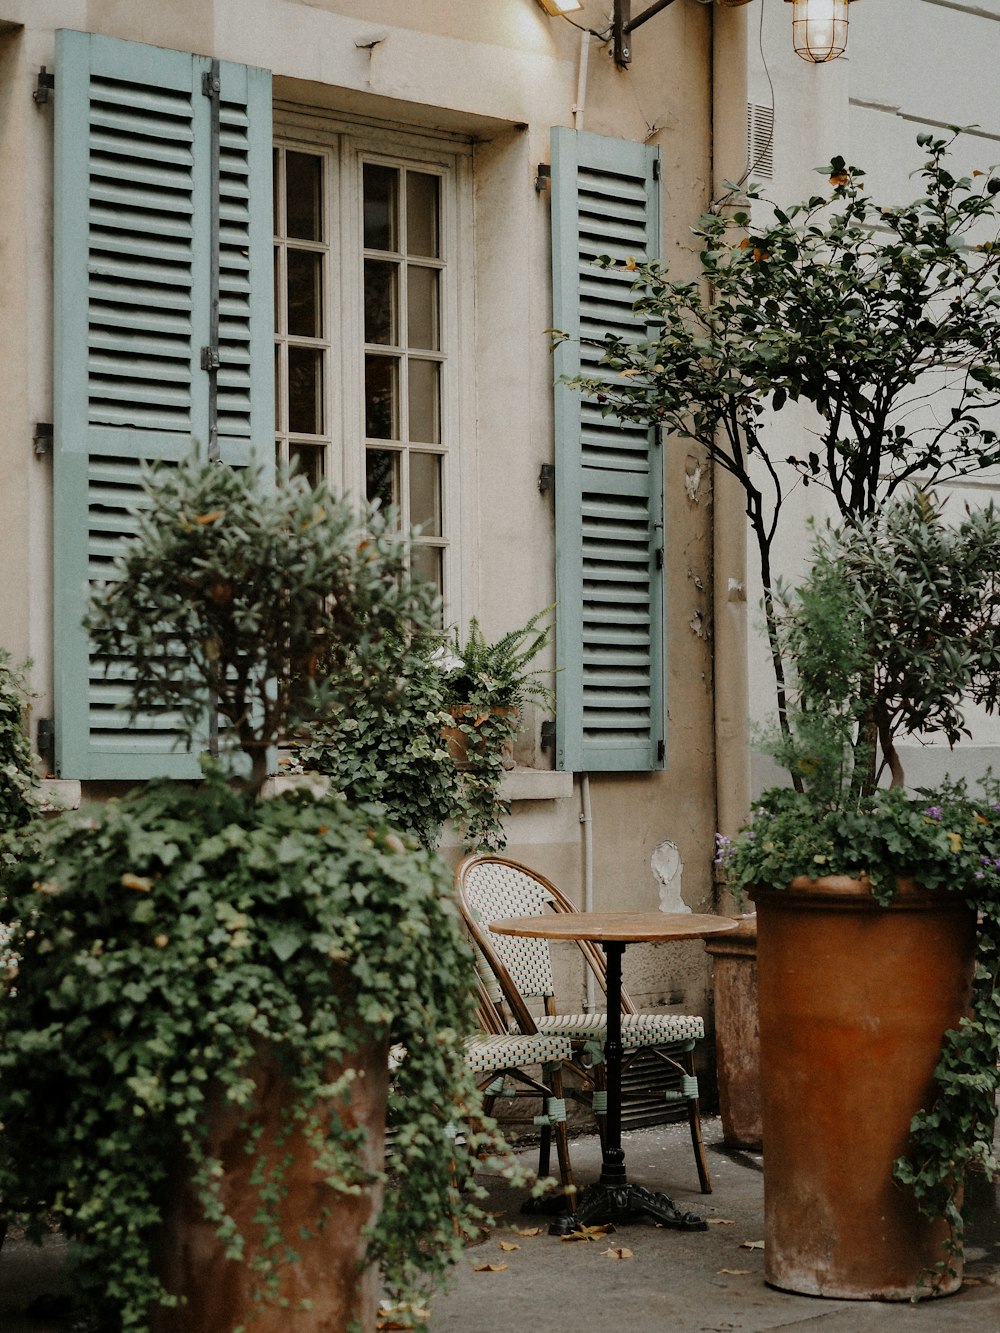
x=426 y=563
x=380 y=302
x=304 y=196
x=308 y=461
x=279 y=389
x=381 y=398
x=381 y=187
x=382 y=476
x=423 y=325
x=425 y=414
x=305 y=293
x=425 y=493
x=422 y=214
x=305 y=391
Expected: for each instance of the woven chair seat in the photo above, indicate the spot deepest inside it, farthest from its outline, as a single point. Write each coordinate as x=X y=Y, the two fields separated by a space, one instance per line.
x=637 y=1029
x=484 y=1054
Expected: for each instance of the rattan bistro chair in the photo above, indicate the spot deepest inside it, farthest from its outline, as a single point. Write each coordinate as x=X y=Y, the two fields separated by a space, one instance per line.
x=515 y=970
x=500 y=1060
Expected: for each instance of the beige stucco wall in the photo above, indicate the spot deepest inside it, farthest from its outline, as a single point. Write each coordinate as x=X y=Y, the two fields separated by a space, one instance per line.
x=500 y=73
x=911 y=66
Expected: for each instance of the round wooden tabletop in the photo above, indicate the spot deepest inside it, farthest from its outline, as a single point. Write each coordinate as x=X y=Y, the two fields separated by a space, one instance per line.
x=614 y=927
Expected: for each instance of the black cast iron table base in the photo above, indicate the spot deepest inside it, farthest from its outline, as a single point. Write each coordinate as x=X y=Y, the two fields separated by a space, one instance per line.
x=624 y=1203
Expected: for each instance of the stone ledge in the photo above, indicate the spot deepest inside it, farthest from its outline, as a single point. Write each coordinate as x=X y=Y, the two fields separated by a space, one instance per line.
x=536 y=784
x=59 y=794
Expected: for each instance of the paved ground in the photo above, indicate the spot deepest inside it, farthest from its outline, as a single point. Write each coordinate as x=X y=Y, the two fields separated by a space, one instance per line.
x=693 y=1282
x=672 y=1282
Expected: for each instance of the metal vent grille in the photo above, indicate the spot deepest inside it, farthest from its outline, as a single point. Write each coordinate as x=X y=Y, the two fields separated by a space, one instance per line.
x=760 y=141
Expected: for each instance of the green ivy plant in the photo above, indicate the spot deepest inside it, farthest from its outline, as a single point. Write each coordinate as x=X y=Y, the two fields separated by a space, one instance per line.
x=19 y=785
x=382 y=739
x=487 y=685
x=163 y=937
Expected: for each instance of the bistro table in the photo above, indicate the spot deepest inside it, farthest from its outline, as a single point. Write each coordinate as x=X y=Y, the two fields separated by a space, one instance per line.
x=613 y=1198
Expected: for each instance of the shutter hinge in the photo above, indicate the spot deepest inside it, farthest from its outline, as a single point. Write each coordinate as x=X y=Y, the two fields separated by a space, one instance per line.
x=210 y=358
x=42 y=438
x=547 y=478
x=45 y=740
x=548 y=736
x=661 y=750
x=659 y=557
x=210 y=83
x=43 y=86
x=656 y=168
x=543 y=174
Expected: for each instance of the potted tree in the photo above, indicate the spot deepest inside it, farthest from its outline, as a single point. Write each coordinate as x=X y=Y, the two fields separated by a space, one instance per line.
x=877 y=1048
x=857 y=314
x=193 y=1051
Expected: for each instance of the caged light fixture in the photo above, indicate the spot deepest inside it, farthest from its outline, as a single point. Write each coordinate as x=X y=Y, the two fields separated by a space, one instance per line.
x=819 y=27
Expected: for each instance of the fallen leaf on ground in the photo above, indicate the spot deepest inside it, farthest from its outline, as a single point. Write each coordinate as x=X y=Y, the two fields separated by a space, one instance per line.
x=489 y=1268
x=527 y=1231
x=619 y=1252
x=509 y=1245
x=720 y=1221
x=751 y=1244
x=972 y=1282
x=736 y=1272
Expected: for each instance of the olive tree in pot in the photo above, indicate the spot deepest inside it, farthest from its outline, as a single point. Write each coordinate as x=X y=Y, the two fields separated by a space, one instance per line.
x=193 y=1050
x=883 y=321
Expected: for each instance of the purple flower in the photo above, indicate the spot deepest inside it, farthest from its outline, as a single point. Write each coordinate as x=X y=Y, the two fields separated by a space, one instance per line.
x=934 y=812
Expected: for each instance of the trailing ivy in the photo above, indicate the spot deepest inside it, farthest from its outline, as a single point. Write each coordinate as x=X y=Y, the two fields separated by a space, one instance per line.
x=19 y=802
x=165 y=938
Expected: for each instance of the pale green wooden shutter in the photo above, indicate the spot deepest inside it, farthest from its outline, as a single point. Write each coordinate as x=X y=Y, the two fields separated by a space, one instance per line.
x=609 y=474
x=142 y=202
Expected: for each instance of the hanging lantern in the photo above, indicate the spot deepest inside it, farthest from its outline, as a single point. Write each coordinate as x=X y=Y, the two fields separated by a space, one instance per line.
x=819 y=29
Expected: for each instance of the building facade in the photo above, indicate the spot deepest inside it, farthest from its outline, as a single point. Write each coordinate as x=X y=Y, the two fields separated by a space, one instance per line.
x=340 y=232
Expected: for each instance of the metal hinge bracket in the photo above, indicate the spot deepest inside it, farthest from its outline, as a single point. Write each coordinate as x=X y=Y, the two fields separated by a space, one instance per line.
x=43 y=86
x=543 y=174
x=210 y=84
x=547 y=478
x=661 y=751
x=548 y=736
x=42 y=438
x=210 y=358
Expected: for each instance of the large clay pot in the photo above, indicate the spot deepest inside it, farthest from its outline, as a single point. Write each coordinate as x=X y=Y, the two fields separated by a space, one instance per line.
x=854 y=1001
x=458 y=741
x=218 y=1292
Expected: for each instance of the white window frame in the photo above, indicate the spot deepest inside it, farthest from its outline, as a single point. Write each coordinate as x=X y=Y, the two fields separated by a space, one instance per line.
x=348 y=142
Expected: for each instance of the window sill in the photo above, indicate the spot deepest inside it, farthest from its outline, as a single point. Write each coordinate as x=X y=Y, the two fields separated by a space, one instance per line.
x=59 y=794
x=536 y=784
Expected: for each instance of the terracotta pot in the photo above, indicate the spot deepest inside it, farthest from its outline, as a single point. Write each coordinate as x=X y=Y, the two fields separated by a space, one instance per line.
x=217 y=1291
x=458 y=740
x=854 y=1001
x=737 y=1033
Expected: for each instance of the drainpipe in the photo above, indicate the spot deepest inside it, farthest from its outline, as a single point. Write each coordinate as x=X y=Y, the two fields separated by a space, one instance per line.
x=587 y=820
x=581 y=81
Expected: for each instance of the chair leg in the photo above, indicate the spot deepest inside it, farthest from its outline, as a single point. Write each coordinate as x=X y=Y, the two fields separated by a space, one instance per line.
x=694 y=1120
x=562 y=1137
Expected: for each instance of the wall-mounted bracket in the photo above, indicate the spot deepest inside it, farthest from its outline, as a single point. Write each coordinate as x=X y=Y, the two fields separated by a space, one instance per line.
x=547 y=478
x=548 y=736
x=43 y=86
x=543 y=174
x=42 y=438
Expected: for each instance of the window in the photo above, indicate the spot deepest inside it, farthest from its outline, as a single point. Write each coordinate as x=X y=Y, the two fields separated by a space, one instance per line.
x=366 y=370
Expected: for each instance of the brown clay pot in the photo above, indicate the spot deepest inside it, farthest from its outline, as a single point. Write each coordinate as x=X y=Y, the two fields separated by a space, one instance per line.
x=737 y=1033
x=458 y=741
x=218 y=1292
x=854 y=1001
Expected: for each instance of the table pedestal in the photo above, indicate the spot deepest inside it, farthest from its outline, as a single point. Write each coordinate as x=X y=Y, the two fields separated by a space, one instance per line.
x=613 y=1198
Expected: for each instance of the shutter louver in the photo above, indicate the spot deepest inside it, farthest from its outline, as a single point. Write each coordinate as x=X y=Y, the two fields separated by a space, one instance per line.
x=132 y=313
x=609 y=501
